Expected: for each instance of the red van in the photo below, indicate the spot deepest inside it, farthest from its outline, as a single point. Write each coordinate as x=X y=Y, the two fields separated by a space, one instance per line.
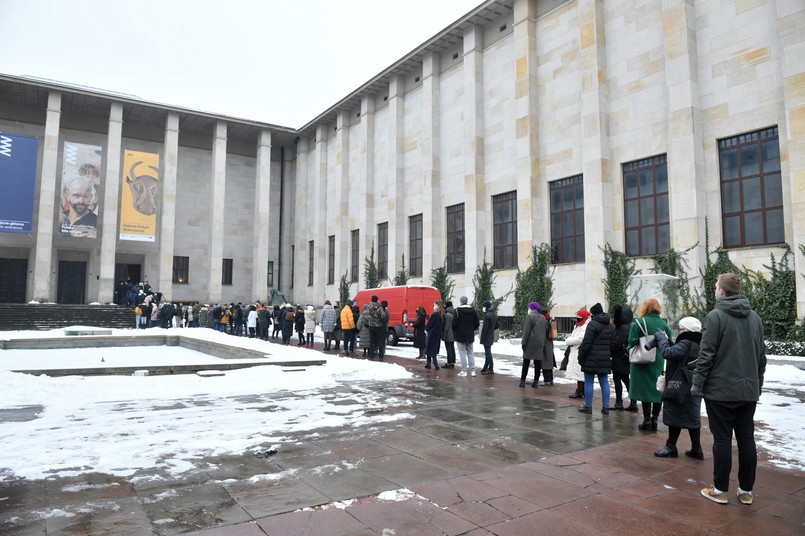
x=403 y=302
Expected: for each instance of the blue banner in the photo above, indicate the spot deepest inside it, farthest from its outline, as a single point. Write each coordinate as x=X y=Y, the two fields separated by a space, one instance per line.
x=18 y=156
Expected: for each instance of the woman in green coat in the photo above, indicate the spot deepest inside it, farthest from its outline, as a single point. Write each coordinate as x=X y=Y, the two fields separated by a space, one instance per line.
x=643 y=378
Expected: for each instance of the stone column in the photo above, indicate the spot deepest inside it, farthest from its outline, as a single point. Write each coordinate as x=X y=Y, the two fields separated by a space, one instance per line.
x=398 y=230
x=475 y=207
x=167 y=205
x=532 y=193
x=217 y=213
x=111 y=194
x=598 y=226
x=44 y=274
x=260 y=227
x=366 y=178
x=791 y=21
x=433 y=214
x=316 y=201
x=295 y=189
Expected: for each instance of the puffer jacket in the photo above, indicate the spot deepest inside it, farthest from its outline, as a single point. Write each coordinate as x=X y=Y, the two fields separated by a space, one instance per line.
x=327 y=320
x=682 y=353
x=594 y=355
x=465 y=323
x=623 y=317
x=310 y=319
x=347 y=320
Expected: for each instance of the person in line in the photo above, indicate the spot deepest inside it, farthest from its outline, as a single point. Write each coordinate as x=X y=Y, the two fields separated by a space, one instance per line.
x=263 y=321
x=622 y=319
x=573 y=341
x=327 y=321
x=287 y=320
x=533 y=342
x=594 y=358
x=363 y=331
x=433 y=336
x=419 y=331
x=338 y=334
x=676 y=416
x=299 y=324
x=464 y=325
x=386 y=317
x=643 y=377
x=348 y=329
x=447 y=335
x=729 y=374
x=277 y=314
x=488 y=336
x=251 y=322
x=310 y=325
x=374 y=323
x=548 y=357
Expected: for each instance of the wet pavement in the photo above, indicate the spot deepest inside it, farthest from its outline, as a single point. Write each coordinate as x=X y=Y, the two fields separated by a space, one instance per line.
x=475 y=456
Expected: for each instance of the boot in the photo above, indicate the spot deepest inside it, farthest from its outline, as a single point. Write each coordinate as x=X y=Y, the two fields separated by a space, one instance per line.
x=632 y=407
x=535 y=384
x=654 y=424
x=618 y=405
x=577 y=394
x=483 y=370
x=667 y=452
x=522 y=384
x=646 y=426
x=695 y=452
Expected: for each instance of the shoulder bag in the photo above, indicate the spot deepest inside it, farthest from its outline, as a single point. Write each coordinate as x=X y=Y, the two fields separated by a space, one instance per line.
x=638 y=353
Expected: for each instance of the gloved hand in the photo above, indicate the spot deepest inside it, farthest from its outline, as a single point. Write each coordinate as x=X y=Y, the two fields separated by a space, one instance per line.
x=696 y=390
x=651 y=344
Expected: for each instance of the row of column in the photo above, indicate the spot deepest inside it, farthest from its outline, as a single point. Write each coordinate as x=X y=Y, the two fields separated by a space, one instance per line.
x=109 y=218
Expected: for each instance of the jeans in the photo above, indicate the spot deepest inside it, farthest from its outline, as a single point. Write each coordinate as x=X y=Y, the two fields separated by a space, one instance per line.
x=724 y=418
x=376 y=336
x=349 y=340
x=589 y=386
x=465 y=354
x=488 y=363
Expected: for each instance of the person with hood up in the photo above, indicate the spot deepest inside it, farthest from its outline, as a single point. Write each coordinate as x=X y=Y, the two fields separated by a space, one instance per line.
x=348 y=329
x=287 y=320
x=573 y=341
x=447 y=335
x=464 y=325
x=310 y=325
x=488 y=336
x=676 y=416
x=327 y=321
x=433 y=336
x=419 y=331
x=594 y=358
x=533 y=342
x=299 y=324
x=622 y=318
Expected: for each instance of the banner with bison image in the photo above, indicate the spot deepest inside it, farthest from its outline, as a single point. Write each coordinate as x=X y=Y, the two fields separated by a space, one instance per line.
x=80 y=190
x=139 y=198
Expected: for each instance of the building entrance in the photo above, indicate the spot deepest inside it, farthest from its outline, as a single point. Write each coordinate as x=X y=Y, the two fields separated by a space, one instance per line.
x=12 y=280
x=72 y=282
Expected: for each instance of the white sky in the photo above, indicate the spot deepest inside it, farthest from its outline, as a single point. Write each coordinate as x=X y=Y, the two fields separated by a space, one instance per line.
x=281 y=62
x=121 y=424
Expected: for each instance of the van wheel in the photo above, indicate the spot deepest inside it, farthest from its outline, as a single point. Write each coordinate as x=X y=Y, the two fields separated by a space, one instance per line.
x=392 y=339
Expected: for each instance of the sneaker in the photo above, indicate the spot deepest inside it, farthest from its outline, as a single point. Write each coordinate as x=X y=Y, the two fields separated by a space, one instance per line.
x=462 y=373
x=472 y=373
x=716 y=496
x=745 y=496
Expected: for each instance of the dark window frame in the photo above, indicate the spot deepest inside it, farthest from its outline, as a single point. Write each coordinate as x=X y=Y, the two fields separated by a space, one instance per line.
x=181 y=270
x=567 y=220
x=227 y=266
x=293 y=264
x=504 y=230
x=751 y=198
x=646 y=196
x=270 y=274
x=383 y=250
x=455 y=236
x=311 y=255
x=354 y=255
x=415 y=227
x=331 y=260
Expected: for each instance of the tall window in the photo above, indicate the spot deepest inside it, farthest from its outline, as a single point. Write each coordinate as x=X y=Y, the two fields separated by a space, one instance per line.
x=455 y=239
x=226 y=271
x=293 y=263
x=354 y=237
x=567 y=220
x=181 y=269
x=331 y=259
x=310 y=254
x=504 y=224
x=270 y=274
x=645 y=206
x=415 y=245
x=383 y=250
x=751 y=189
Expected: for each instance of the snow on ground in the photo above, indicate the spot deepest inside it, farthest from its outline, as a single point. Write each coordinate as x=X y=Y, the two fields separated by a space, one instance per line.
x=123 y=424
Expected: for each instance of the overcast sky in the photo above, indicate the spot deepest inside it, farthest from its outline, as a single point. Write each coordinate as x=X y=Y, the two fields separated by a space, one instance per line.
x=281 y=62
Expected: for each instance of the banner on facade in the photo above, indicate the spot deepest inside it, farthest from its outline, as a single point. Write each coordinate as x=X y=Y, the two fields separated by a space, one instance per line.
x=139 y=199
x=80 y=190
x=18 y=156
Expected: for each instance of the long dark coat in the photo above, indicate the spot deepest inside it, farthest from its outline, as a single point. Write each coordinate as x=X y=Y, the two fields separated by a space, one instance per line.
x=535 y=328
x=594 y=349
x=419 y=330
x=623 y=317
x=433 y=330
x=287 y=325
x=489 y=326
x=682 y=353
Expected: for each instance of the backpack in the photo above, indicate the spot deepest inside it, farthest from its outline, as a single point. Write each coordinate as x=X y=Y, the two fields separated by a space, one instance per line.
x=138 y=311
x=289 y=316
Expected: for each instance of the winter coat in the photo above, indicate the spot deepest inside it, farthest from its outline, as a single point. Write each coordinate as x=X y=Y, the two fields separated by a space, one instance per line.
x=203 y=316
x=263 y=318
x=433 y=331
x=623 y=317
x=533 y=341
x=465 y=323
x=682 y=353
x=489 y=327
x=287 y=325
x=593 y=354
x=447 y=326
x=364 y=332
x=347 y=320
x=251 y=320
x=327 y=319
x=573 y=341
x=299 y=321
x=643 y=378
x=419 y=331
x=548 y=357
x=732 y=357
x=373 y=315
x=310 y=319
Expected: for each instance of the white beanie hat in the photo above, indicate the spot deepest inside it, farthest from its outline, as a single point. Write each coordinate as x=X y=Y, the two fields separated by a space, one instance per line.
x=691 y=324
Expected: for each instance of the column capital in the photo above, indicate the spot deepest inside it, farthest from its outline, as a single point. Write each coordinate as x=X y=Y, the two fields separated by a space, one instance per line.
x=367 y=105
x=430 y=65
x=396 y=87
x=172 y=122
x=473 y=39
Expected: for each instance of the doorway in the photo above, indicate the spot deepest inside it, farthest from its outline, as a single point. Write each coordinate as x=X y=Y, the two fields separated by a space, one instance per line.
x=125 y=276
x=72 y=282
x=13 y=280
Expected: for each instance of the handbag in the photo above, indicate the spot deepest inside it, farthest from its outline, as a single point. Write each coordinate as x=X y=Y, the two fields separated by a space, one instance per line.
x=553 y=331
x=661 y=383
x=638 y=353
x=677 y=389
x=563 y=366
